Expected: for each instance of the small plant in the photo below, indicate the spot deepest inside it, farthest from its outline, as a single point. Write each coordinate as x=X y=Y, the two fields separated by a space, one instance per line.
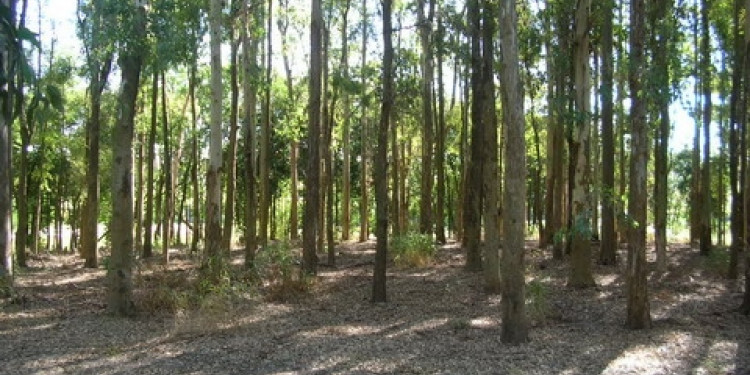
x=277 y=268
x=412 y=250
x=537 y=305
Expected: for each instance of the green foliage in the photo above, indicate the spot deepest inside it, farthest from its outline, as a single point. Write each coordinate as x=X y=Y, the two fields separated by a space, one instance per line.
x=276 y=266
x=412 y=250
x=537 y=302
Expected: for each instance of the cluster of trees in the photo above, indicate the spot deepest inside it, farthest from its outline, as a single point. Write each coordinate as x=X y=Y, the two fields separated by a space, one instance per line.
x=417 y=120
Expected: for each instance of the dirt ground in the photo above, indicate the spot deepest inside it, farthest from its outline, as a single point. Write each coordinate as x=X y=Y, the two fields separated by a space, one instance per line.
x=437 y=321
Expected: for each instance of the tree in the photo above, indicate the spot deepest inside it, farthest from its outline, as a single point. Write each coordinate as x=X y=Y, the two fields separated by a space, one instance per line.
x=231 y=166
x=608 y=254
x=119 y=272
x=311 y=224
x=745 y=307
x=265 y=139
x=364 y=208
x=736 y=116
x=580 y=263
x=515 y=324
x=381 y=162
x=705 y=80
x=249 y=52
x=214 y=254
x=8 y=50
x=99 y=62
x=638 y=311
x=425 y=37
x=472 y=219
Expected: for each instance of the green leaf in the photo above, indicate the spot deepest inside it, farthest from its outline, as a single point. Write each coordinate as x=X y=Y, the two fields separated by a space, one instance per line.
x=27 y=35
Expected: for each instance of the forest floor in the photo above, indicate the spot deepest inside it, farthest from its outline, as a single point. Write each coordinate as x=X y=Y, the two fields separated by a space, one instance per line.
x=438 y=321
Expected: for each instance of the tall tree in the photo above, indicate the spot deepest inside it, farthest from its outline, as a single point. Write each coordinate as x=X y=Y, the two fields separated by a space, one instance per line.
x=265 y=138
x=491 y=264
x=231 y=162
x=638 y=311
x=311 y=225
x=608 y=253
x=119 y=271
x=148 y=225
x=580 y=263
x=249 y=52
x=6 y=147
x=99 y=62
x=706 y=87
x=425 y=36
x=745 y=307
x=213 y=256
x=166 y=237
x=346 y=185
x=736 y=114
x=472 y=219
x=440 y=138
x=364 y=208
x=381 y=161
x=660 y=19
x=515 y=324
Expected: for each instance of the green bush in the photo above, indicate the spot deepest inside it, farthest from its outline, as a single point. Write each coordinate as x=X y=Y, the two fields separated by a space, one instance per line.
x=276 y=266
x=412 y=250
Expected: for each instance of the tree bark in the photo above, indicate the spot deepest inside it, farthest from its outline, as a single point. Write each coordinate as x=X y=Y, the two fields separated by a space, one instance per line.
x=119 y=272
x=6 y=149
x=364 y=210
x=638 y=311
x=425 y=37
x=706 y=76
x=231 y=166
x=381 y=162
x=608 y=252
x=515 y=325
x=166 y=237
x=580 y=263
x=736 y=116
x=311 y=226
x=149 y=221
x=265 y=139
x=249 y=53
x=440 y=141
x=214 y=258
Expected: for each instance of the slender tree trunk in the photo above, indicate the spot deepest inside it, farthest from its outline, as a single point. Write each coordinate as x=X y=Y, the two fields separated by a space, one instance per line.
x=149 y=221
x=638 y=311
x=214 y=258
x=196 y=230
x=231 y=167
x=706 y=76
x=119 y=271
x=346 y=131
x=311 y=225
x=490 y=190
x=580 y=263
x=381 y=162
x=100 y=68
x=695 y=191
x=440 y=142
x=283 y=24
x=736 y=115
x=515 y=324
x=660 y=42
x=473 y=195
x=249 y=54
x=608 y=253
x=265 y=138
x=364 y=210
x=6 y=149
x=139 y=195
x=745 y=307
x=166 y=237
x=425 y=36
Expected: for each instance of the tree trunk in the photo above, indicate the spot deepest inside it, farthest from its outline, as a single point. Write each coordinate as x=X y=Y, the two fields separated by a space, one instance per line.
x=660 y=42
x=638 y=311
x=608 y=246
x=119 y=271
x=149 y=221
x=231 y=167
x=736 y=119
x=491 y=264
x=440 y=142
x=515 y=325
x=364 y=210
x=100 y=68
x=139 y=195
x=381 y=162
x=214 y=258
x=706 y=76
x=425 y=36
x=346 y=130
x=265 y=139
x=249 y=53
x=311 y=226
x=745 y=307
x=283 y=24
x=580 y=263
x=473 y=195
x=196 y=230
x=166 y=237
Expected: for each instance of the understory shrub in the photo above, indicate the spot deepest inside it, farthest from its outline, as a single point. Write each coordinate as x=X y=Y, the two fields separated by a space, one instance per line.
x=278 y=270
x=412 y=250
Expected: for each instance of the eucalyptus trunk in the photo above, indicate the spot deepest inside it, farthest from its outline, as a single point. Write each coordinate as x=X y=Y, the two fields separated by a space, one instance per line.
x=608 y=246
x=425 y=37
x=249 y=101
x=706 y=87
x=231 y=162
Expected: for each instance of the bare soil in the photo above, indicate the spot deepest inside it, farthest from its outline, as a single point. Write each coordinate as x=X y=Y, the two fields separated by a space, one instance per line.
x=438 y=321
